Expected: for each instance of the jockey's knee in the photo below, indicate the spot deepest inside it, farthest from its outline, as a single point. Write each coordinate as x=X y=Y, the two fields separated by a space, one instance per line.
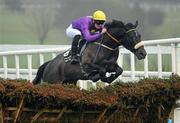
x=76 y=39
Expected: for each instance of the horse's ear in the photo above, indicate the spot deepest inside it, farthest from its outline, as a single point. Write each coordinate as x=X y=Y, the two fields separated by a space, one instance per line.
x=136 y=24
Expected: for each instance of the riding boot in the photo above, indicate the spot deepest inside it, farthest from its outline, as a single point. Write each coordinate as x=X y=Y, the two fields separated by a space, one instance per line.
x=74 y=49
x=81 y=43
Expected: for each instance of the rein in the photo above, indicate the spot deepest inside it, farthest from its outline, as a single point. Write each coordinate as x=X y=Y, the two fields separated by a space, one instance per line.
x=114 y=39
x=109 y=48
x=105 y=46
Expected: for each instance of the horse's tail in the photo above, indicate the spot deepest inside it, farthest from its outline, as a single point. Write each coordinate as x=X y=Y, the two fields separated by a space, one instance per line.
x=39 y=74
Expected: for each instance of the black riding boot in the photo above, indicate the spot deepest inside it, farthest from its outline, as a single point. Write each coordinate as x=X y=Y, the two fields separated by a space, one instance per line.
x=74 y=49
x=81 y=43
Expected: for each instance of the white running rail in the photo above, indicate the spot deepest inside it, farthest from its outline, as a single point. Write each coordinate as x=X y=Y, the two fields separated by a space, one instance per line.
x=156 y=47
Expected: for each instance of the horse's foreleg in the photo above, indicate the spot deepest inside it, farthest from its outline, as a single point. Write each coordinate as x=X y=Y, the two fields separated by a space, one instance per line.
x=94 y=77
x=92 y=72
x=112 y=68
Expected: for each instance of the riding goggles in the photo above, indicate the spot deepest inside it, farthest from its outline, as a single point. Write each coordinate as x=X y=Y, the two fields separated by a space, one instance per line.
x=99 y=22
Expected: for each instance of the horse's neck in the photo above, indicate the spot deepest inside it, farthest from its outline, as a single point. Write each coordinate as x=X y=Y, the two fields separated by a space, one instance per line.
x=108 y=41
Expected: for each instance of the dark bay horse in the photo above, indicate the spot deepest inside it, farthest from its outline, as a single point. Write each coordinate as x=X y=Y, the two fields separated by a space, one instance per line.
x=97 y=58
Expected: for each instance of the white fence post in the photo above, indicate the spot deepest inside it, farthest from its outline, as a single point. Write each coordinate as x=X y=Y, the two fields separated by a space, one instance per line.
x=178 y=59
x=5 y=66
x=146 y=67
x=29 y=58
x=41 y=58
x=173 y=58
x=159 y=61
x=132 y=66
x=17 y=66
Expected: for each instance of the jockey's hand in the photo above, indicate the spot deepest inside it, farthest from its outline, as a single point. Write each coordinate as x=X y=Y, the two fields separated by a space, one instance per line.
x=104 y=30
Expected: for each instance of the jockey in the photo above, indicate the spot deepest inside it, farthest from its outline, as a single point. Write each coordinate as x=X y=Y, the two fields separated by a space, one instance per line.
x=89 y=27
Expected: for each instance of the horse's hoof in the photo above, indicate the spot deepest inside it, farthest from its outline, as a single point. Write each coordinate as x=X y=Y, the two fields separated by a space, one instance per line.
x=109 y=82
x=106 y=80
x=95 y=78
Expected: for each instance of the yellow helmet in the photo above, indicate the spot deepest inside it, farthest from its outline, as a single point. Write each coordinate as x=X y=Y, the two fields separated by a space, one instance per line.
x=99 y=15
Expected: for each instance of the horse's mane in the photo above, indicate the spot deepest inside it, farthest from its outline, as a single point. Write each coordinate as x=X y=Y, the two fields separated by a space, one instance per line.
x=116 y=23
x=121 y=26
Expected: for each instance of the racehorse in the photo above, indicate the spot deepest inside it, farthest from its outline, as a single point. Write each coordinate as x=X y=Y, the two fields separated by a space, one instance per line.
x=96 y=59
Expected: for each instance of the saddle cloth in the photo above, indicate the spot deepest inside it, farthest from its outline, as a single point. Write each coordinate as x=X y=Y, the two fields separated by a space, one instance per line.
x=67 y=56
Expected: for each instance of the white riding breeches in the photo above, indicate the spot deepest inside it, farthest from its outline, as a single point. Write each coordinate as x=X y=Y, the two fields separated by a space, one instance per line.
x=71 y=32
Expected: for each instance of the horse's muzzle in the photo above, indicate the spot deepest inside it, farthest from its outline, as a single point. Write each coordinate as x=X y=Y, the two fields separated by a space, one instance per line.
x=140 y=53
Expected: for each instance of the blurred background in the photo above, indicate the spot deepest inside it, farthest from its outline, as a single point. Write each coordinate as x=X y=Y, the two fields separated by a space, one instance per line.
x=45 y=21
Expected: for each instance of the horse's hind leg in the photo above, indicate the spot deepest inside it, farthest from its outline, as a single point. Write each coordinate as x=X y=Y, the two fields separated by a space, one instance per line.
x=39 y=74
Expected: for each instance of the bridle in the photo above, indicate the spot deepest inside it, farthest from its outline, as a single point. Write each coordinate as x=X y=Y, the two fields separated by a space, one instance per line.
x=117 y=41
x=109 y=48
x=113 y=39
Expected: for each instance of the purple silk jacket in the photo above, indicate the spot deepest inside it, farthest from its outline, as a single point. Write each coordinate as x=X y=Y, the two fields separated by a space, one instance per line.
x=84 y=24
